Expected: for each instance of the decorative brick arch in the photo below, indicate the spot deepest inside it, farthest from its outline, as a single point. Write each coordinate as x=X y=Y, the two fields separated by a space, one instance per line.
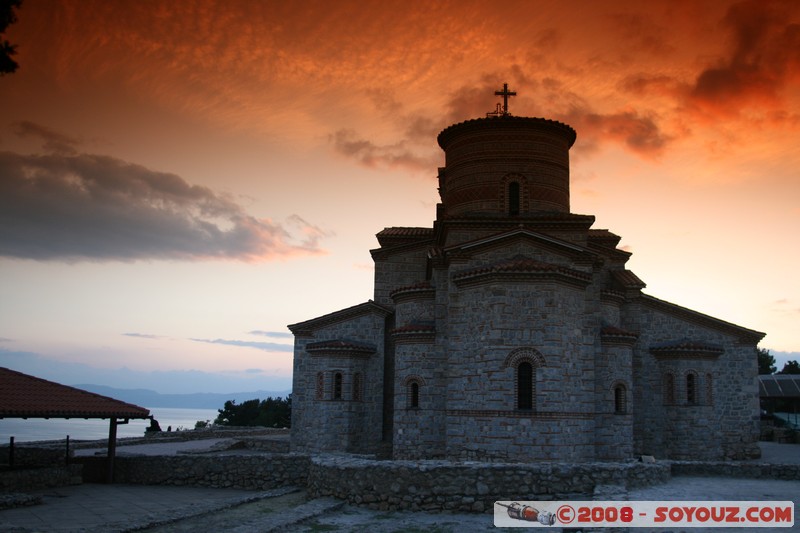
x=319 y=386
x=692 y=383
x=520 y=355
x=524 y=361
x=358 y=387
x=413 y=385
x=619 y=396
x=668 y=388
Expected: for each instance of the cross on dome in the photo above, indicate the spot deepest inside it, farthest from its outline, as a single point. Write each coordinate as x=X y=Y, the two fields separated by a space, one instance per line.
x=505 y=93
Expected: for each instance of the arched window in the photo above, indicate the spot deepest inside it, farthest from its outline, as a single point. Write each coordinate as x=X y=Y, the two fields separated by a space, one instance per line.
x=668 y=391
x=691 y=388
x=709 y=389
x=525 y=361
x=337 y=386
x=358 y=386
x=620 y=399
x=525 y=386
x=413 y=385
x=414 y=395
x=320 y=386
x=513 y=198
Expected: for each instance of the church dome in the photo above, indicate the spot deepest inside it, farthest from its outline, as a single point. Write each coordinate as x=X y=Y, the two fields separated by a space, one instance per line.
x=505 y=166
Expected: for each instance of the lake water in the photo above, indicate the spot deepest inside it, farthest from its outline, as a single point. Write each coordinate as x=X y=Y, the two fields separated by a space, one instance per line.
x=34 y=429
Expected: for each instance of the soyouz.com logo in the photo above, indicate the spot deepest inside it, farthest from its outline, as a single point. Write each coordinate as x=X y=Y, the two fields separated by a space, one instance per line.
x=745 y=514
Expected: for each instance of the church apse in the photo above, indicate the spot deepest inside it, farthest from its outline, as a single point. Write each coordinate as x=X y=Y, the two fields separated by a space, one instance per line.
x=511 y=330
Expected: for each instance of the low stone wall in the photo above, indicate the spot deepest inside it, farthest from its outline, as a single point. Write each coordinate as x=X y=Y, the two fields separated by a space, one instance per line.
x=40 y=478
x=249 y=472
x=26 y=456
x=740 y=470
x=444 y=485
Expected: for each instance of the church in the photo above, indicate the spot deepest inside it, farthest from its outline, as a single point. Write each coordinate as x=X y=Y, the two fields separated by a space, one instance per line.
x=510 y=330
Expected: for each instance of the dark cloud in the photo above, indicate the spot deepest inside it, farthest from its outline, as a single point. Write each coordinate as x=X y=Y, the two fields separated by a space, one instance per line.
x=273 y=334
x=764 y=56
x=647 y=85
x=266 y=346
x=643 y=32
x=349 y=143
x=639 y=133
x=52 y=141
x=94 y=207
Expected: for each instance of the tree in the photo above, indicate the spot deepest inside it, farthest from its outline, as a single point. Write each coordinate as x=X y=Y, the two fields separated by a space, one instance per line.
x=766 y=363
x=791 y=367
x=7 y=17
x=272 y=412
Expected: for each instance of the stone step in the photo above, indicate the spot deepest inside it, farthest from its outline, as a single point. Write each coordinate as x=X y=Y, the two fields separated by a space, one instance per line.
x=280 y=521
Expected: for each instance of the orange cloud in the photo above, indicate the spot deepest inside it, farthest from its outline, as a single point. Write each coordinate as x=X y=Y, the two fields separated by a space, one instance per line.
x=763 y=59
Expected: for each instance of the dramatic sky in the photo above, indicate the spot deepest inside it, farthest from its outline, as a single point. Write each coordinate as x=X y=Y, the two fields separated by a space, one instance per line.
x=180 y=180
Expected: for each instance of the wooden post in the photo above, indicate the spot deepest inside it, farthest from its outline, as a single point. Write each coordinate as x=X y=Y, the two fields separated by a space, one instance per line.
x=11 y=453
x=66 y=457
x=112 y=449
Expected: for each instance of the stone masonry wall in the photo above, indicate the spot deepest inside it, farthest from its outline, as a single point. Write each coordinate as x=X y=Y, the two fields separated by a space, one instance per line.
x=348 y=423
x=486 y=323
x=444 y=485
x=729 y=399
x=248 y=472
x=398 y=270
x=40 y=478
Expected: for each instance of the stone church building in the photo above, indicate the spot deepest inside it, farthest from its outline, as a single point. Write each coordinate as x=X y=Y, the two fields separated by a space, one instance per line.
x=511 y=330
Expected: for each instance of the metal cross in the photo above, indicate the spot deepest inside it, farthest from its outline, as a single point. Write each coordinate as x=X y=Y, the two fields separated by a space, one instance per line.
x=505 y=93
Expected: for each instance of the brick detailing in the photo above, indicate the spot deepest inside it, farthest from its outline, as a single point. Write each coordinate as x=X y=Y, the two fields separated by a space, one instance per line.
x=620 y=393
x=319 y=393
x=668 y=388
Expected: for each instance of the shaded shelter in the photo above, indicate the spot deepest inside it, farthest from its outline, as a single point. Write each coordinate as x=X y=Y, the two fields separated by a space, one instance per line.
x=25 y=396
x=780 y=392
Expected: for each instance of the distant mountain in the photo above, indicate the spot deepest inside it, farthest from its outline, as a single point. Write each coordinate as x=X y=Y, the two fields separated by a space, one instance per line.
x=198 y=400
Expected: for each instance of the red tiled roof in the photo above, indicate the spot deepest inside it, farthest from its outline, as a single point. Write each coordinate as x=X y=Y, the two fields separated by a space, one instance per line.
x=403 y=235
x=687 y=346
x=612 y=331
x=628 y=279
x=307 y=326
x=414 y=329
x=340 y=346
x=24 y=396
x=522 y=265
x=422 y=286
x=604 y=237
x=405 y=232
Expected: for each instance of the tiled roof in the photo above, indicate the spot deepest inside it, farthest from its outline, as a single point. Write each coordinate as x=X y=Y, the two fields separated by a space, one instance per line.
x=405 y=232
x=686 y=347
x=628 y=279
x=604 y=237
x=342 y=346
x=416 y=288
x=368 y=307
x=414 y=328
x=24 y=396
x=611 y=331
x=505 y=122
x=403 y=235
x=743 y=334
x=521 y=265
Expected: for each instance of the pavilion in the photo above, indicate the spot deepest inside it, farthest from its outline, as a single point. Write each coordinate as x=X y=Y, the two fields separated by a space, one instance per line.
x=25 y=396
